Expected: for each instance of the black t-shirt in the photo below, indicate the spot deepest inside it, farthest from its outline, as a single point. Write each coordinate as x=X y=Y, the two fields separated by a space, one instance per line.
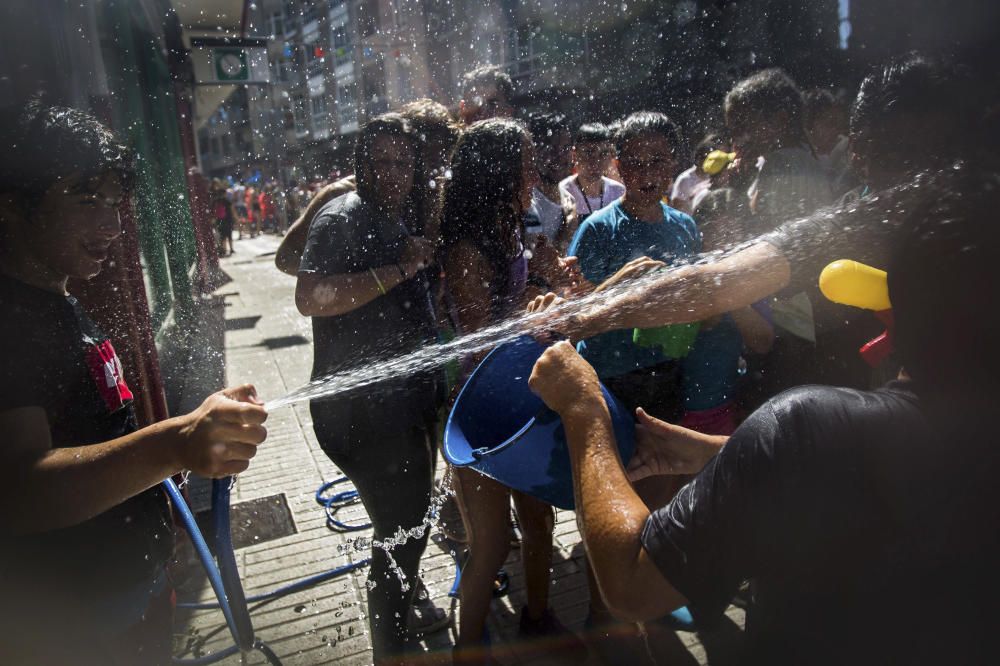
x=57 y=359
x=869 y=534
x=348 y=236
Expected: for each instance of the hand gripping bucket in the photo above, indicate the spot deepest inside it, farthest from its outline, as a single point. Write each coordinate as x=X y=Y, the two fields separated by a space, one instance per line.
x=501 y=429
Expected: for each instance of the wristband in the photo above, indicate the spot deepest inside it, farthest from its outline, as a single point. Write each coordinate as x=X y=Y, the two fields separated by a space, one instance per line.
x=378 y=282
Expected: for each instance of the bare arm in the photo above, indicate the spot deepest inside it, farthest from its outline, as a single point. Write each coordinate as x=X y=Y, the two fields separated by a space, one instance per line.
x=468 y=276
x=289 y=253
x=757 y=333
x=43 y=488
x=318 y=295
x=691 y=293
x=610 y=513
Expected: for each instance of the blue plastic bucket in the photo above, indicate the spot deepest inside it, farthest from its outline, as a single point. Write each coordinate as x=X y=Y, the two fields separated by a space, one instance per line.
x=501 y=429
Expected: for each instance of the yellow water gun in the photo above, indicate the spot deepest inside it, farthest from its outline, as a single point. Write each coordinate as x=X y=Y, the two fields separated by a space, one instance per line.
x=853 y=283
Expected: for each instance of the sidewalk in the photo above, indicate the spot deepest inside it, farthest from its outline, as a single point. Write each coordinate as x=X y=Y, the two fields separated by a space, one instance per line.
x=269 y=344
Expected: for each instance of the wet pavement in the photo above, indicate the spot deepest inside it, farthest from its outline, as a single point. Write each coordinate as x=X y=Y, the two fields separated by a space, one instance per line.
x=269 y=344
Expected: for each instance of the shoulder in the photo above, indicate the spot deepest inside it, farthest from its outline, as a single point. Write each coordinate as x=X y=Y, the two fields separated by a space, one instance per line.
x=687 y=173
x=608 y=217
x=612 y=187
x=834 y=413
x=344 y=208
x=566 y=183
x=683 y=220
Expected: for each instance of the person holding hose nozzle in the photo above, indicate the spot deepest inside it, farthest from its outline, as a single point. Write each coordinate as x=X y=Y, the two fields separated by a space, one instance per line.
x=85 y=530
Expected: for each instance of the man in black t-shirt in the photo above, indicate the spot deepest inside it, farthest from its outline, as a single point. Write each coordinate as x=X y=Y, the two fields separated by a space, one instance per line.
x=85 y=530
x=865 y=520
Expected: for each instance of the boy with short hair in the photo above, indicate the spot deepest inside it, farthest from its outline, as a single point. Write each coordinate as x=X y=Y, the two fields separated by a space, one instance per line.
x=85 y=530
x=589 y=188
x=637 y=225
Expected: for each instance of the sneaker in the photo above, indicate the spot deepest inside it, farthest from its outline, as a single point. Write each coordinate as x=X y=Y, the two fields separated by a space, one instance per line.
x=556 y=637
x=425 y=617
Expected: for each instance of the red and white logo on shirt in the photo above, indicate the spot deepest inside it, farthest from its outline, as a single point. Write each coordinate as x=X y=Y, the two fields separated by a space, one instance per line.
x=106 y=370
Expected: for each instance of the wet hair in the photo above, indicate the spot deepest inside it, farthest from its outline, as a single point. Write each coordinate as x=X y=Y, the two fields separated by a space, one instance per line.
x=767 y=92
x=394 y=125
x=909 y=87
x=486 y=179
x=592 y=133
x=486 y=75
x=545 y=126
x=42 y=144
x=648 y=122
x=941 y=278
x=430 y=119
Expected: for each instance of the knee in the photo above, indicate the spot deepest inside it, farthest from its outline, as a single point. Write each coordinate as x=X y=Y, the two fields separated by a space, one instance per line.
x=538 y=524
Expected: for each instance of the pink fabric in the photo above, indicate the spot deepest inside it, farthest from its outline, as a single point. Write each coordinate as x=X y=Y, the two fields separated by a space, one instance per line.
x=719 y=420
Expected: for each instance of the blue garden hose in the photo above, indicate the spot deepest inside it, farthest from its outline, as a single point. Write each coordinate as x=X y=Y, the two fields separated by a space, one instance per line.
x=337 y=501
x=225 y=578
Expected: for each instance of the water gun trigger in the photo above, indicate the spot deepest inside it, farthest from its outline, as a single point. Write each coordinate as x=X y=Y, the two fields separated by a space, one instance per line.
x=859 y=285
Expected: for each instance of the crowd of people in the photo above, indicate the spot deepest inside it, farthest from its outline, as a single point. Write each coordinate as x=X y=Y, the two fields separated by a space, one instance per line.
x=861 y=516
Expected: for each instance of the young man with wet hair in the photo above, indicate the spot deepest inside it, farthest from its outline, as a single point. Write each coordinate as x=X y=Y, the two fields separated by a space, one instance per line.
x=438 y=133
x=85 y=528
x=911 y=114
x=589 y=188
x=866 y=520
x=487 y=92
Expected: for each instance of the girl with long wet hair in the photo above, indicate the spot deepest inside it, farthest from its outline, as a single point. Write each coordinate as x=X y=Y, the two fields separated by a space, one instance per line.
x=362 y=281
x=486 y=272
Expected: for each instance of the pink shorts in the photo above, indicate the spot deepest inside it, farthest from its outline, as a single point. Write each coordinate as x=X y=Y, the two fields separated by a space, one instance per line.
x=719 y=420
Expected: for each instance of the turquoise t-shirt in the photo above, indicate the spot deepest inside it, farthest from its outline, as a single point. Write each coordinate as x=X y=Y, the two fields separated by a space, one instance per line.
x=606 y=241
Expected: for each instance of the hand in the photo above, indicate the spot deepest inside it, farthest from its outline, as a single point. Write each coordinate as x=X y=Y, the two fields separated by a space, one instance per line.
x=418 y=254
x=564 y=381
x=630 y=271
x=540 y=304
x=545 y=327
x=221 y=436
x=662 y=448
x=570 y=280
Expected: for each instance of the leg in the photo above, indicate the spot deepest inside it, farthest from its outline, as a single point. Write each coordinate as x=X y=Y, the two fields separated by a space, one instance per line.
x=394 y=478
x=537 y=520
x=485 y=509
